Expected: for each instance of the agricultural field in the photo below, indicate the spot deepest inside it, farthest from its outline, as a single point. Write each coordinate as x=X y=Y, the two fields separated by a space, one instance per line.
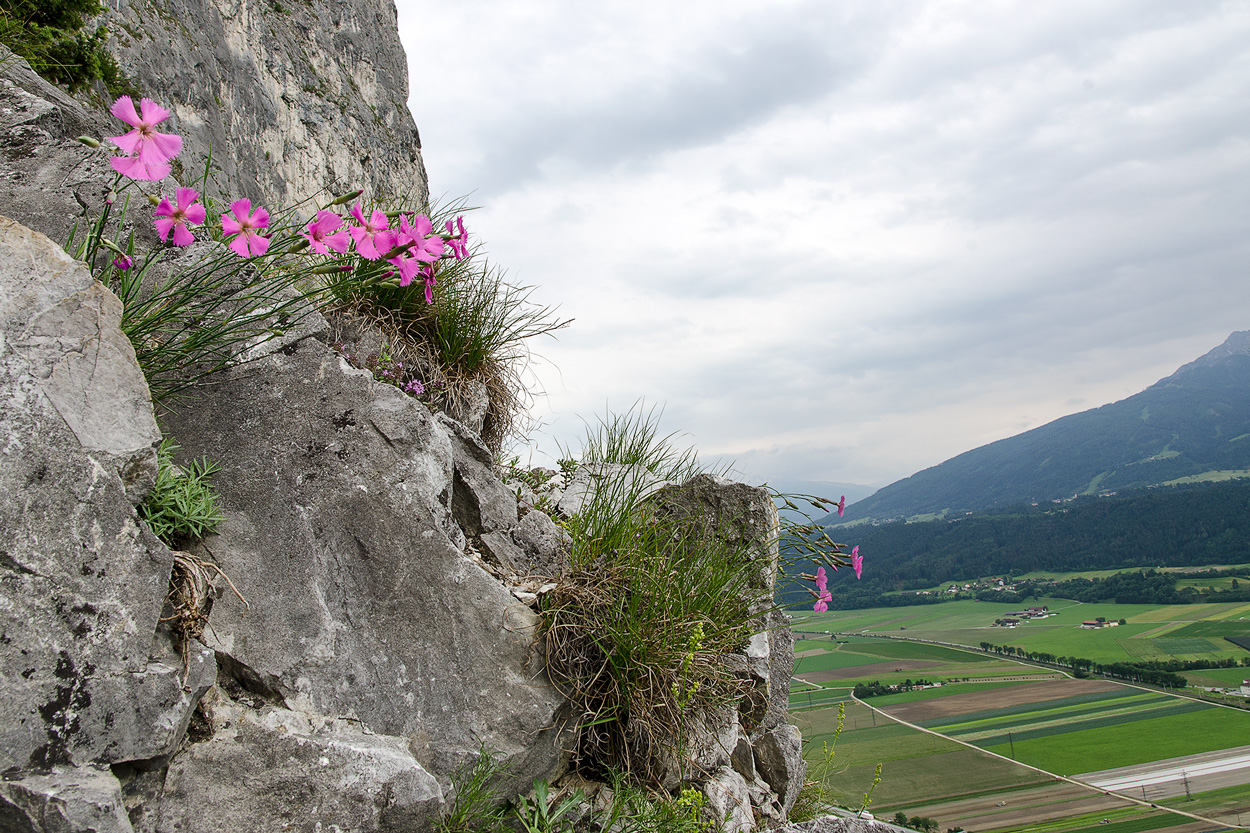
x=1089 y=728
x=822 y=663
x=1162 y=632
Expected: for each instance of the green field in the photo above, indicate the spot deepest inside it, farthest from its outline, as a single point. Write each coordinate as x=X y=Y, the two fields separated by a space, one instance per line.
x=917 y=768
x=1156 y=734
x=935 y=663
x=1089 y=731
x=1162 y=632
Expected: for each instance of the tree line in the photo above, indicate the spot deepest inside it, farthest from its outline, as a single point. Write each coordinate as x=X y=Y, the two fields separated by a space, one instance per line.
x=1161 y=673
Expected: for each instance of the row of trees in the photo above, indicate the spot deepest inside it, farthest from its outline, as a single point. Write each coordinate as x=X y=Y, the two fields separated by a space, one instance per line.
x=1160 y=673
x=875 y=688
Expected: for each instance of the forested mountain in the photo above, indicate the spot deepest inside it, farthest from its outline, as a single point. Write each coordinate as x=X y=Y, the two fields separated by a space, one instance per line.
x=1162 y=527
x=1194 y=422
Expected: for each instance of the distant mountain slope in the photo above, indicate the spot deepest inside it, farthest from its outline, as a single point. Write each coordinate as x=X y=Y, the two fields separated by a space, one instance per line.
x=1194 y=422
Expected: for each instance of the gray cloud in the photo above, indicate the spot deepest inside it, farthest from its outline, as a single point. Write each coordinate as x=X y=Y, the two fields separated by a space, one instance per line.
x=843 y=242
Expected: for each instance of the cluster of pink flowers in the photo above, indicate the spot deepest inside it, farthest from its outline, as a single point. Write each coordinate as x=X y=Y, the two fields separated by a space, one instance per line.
x=412 y=248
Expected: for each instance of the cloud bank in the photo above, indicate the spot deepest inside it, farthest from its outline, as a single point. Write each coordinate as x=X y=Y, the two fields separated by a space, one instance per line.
x=844 y=242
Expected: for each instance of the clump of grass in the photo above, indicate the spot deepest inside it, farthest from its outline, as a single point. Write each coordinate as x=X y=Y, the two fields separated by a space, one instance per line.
x=477 y=330
x=638 y=633
x=182 y=506
x=192 y=312
x=633 y=438
x=477 y=806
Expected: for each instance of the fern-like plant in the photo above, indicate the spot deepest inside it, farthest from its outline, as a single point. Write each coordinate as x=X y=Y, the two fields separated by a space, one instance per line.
x=182 y=506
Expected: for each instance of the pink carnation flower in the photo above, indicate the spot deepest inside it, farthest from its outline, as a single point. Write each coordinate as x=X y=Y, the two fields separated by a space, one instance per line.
x=175 y=218
x=372 y=236
x=148 y=151
x=841 y=506
x=458 y=242
x=323 y=233
x=429 y=246
x=857 y=561
x=248 y=241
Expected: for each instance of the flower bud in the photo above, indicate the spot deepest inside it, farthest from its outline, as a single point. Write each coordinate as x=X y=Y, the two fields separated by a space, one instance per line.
x=346 y=198
x=399 y=250
x=153 y=200
x=89 y=142
x=329 y=270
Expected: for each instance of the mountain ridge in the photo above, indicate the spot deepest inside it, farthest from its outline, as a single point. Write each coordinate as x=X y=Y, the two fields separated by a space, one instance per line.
x=1192 y=424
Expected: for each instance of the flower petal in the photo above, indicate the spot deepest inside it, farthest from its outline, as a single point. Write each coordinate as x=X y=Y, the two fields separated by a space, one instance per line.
x=124 y=109
x=153 y=113
x=239 y=246
x=183 y=235
x=126 y=142
x=163 y=225
x=241 y=208
x=167 y=145
x=195 y=213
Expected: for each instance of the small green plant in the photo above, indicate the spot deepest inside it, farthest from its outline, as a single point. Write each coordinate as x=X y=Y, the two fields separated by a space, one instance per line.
x=876 y=779
x=182 y=506
x=477 y=806
x=49 y=35
x=635 y=810
x=544 y=814
x=816 y=795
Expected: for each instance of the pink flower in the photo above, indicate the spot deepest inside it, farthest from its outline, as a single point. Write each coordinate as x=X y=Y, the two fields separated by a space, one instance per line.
x=428 y=275
x=123 y=263
x=168 y=217
x=822 y=579
x=458 y=243
x=857 y=561
x=841 y=506
x=372 y=237
x=148 y=151
x=323 y=233
x=429 y=246
x=248 y=242
x=821 y=606
x=408 y=268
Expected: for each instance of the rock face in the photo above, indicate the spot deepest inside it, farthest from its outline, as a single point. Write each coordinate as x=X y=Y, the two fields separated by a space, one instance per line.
x=291 y=97
x=338 y=493
x=44 y=172
x=272 y=768
x=83 y=681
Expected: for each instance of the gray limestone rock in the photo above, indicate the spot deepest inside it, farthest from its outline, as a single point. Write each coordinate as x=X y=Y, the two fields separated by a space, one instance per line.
x=780 y=669
x=82 y=583
x=472 y=407
x=546 y=547
x=275 y=769
x=779 y=759
x=479 y=501
x=44 y=172
x=741 y=515
x=337 y=493
x=291 y=98
x=729 y=800
x=65 y=800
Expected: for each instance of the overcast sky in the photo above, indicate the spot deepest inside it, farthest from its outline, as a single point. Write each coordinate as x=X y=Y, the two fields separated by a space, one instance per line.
x=845 y=240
